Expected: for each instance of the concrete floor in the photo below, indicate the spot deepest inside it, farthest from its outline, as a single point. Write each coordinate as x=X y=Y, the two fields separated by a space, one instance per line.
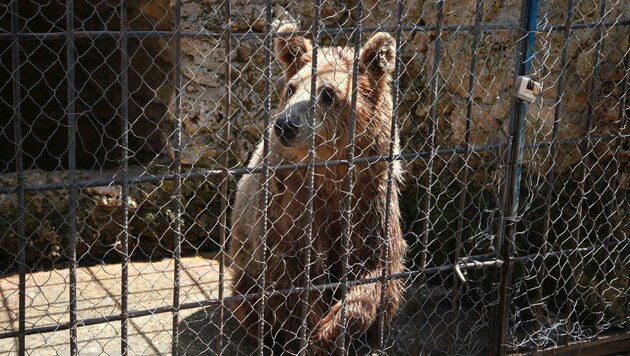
x=98 y=294
x=423 y=324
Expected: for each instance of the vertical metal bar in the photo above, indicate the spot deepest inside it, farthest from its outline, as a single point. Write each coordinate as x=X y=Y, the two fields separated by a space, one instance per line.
x=620 y=126
x=73 y=203
x=623 y=117
x=385 y=247
x=349 y=181
x=426 y=205
x=613 y=205
x=586 y=148
x=19 y=171
x=614 y=183
x=124 y=176
x=529 y=15
x=461 y=197
x=265 y=172
x=549 y=181
x=310 y=181
x=177 y=196
x=227 y=112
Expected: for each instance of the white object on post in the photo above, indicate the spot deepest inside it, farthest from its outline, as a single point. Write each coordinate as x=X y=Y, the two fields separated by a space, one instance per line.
x=526 y=89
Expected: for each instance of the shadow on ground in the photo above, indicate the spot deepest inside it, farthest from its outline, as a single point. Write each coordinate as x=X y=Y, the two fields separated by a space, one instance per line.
x=199 y=334
x=425 y=324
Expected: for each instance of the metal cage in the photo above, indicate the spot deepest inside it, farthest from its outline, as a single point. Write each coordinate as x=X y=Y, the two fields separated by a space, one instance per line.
x=126 y=126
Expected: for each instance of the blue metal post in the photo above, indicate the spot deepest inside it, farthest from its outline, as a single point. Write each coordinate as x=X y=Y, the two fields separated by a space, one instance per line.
x=512 y=191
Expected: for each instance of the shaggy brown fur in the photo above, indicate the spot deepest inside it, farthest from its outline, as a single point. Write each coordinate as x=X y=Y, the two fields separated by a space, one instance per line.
x=286 y=236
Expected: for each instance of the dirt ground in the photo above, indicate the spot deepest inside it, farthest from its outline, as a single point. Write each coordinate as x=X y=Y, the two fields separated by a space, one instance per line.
x=425 y=323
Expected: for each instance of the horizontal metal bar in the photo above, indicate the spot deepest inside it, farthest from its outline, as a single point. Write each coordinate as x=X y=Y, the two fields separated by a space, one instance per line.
x=204 y=34
x=577 y=26
x=217 y=173
x=534 y=257
x=616 y=344
x=211 y=302
x=486 y=261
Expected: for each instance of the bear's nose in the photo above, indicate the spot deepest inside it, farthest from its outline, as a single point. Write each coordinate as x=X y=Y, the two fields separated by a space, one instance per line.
x=286 y=129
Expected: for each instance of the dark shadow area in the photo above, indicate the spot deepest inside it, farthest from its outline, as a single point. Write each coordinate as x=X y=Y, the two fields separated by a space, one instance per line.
x=199 y=332
x=425 y=324
x=43 y=78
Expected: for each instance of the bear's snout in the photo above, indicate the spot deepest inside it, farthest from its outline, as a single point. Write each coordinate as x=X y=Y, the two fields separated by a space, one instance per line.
x=287 y=130
x=288 y=124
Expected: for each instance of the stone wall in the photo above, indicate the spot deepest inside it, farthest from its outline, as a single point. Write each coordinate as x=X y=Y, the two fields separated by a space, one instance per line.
x=204 y=67
x=496 y=60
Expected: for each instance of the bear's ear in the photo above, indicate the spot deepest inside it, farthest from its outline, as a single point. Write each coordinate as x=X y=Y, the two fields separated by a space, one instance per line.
x=379 y=54
x=292 y=51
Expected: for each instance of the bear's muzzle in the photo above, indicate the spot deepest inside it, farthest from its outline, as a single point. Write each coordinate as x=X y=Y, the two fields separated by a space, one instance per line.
x=288 y=125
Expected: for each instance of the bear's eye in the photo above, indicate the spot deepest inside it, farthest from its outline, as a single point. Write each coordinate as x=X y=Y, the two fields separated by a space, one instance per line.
x=327 y=95
x=290 y=90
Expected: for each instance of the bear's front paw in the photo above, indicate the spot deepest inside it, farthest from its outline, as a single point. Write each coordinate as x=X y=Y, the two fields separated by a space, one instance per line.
x=287 y=19
x=328 y=328
x=327 y=332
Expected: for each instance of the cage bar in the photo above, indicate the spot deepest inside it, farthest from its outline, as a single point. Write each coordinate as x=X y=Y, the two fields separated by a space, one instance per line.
x=465 y=157
x=512 y=186
x=19 y=172
x=310 y=180
x=205 y=34
x=550 y=178
x=177 y=196
x=223 y=228
x=487 y=260
x=268 y=46
x=73 y=201
x=430 y=142
x=204 y=174
x=393 y=133
x=348 y=181
x=623 y=122
x=585 y=149
x=623 y=116
x=124 y=177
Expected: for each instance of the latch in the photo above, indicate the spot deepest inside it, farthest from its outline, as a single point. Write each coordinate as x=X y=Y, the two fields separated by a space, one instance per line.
x=463 y=265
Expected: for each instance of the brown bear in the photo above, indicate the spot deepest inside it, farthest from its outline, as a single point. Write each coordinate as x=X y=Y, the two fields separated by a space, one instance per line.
x=285 y=241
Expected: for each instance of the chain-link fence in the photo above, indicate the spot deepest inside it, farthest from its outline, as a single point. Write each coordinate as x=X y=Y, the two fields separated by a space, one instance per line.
x=207 y=177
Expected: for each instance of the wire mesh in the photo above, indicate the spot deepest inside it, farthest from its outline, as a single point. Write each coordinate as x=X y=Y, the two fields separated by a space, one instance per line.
x=208 y=177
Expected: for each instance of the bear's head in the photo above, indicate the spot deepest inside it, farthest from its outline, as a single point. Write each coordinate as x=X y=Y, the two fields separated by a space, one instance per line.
x=333 y=97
